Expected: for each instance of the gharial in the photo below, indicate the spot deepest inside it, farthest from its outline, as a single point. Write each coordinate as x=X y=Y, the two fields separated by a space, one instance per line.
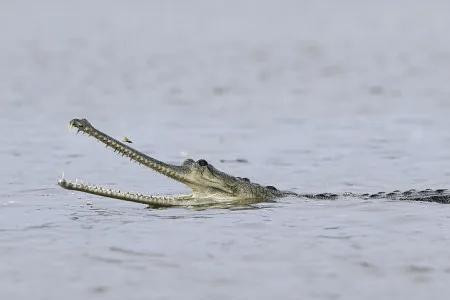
x=210 y=186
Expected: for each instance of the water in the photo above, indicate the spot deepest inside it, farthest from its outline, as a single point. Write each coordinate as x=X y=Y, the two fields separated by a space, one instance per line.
x=305 y=96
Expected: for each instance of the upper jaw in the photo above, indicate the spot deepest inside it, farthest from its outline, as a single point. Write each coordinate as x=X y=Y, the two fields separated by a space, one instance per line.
x=179 y=173
x=205 y=181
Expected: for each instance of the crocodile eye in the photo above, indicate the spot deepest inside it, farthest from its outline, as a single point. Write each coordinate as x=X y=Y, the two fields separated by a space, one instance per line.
x=271 y=188
x=188 y=161
x=202 y=162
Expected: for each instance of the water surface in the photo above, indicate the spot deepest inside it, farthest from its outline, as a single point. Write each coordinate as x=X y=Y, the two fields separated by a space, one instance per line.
x=303 y=96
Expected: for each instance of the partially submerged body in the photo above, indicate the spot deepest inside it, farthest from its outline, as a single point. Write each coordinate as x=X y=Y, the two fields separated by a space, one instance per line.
x=210 y=186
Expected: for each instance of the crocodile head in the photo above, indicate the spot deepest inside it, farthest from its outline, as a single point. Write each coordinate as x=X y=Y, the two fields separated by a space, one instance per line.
x=208 y=184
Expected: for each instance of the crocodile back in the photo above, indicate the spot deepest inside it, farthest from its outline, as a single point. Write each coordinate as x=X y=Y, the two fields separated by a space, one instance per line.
x=428 y=195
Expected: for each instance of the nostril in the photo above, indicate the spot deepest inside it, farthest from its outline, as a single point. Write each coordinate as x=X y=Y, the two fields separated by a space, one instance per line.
x=202 y=162
x=271 y=188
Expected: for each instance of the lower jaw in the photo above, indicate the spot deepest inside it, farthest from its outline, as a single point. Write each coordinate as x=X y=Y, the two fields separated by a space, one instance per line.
x=176 y=200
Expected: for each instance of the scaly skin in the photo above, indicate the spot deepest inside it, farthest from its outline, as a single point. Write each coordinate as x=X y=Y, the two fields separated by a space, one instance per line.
x=210 y=186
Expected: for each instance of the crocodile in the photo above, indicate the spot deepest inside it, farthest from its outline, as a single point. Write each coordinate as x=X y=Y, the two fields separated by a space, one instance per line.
x=209 y=185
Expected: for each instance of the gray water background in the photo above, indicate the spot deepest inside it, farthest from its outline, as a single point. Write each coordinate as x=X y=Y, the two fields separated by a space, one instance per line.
x=317 y=96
